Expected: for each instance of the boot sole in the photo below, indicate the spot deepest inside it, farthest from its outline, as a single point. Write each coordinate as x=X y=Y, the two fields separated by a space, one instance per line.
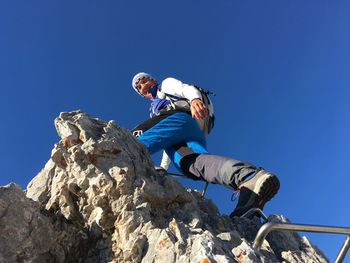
x=267 y=189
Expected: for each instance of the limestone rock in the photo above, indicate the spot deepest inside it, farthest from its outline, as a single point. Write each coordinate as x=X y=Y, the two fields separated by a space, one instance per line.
x=31 y=235
x=101 y=180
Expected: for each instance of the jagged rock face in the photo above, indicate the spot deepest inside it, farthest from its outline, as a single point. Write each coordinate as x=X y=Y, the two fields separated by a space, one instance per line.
x=102 y=181
x=28 y=234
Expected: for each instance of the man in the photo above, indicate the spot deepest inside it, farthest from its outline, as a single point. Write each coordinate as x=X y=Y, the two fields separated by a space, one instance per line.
x=176 y=126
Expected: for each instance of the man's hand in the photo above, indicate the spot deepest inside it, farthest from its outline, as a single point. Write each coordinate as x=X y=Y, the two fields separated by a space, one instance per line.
x=198 y=109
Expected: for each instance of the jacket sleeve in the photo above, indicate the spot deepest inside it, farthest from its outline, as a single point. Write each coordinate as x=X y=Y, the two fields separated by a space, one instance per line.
x=177 y=88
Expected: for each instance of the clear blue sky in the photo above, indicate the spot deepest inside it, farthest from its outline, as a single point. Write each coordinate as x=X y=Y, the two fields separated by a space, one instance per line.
x=280 y=69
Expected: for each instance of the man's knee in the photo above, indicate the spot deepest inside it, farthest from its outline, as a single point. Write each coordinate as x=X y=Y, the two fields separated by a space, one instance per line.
x=185 y=164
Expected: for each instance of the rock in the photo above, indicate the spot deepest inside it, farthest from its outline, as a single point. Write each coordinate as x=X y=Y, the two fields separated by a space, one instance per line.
x=101 y=200
x=29 y=235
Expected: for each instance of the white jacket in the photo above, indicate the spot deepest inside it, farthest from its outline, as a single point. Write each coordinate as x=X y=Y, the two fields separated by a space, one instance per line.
x=176 y=88
x=173 y=87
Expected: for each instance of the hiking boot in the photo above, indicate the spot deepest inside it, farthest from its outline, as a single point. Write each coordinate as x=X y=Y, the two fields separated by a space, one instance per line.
x=255 y=192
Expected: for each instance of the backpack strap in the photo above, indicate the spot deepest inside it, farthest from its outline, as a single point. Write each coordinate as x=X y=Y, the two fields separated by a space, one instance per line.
x=174 y=99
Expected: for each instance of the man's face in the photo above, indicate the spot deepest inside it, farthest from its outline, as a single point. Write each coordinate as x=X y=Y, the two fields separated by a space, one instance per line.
x=144 y=85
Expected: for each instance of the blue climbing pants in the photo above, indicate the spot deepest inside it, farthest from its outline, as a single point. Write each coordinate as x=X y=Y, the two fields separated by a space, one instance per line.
x=180 y=136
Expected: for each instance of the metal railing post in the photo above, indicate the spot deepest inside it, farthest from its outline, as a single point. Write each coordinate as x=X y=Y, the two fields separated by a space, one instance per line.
x=205 y=189
x=342 y=253
x=253 y=211
x=270 y=226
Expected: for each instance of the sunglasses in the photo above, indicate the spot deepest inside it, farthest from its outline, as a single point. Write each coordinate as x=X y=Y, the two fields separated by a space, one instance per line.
x=142 y=80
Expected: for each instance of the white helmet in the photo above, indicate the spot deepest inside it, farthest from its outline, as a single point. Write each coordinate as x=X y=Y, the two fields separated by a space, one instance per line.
x=139 y=76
